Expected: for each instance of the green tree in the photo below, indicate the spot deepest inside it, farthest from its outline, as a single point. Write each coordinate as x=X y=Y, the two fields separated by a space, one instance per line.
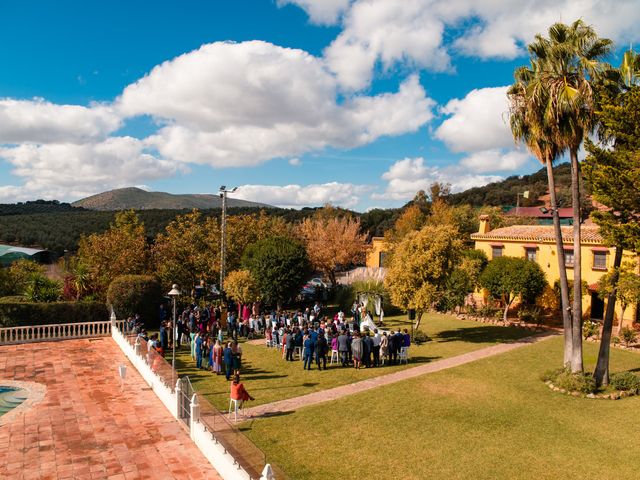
x=121 y=250
x=135 y=294
x=566 y=62
x=21 y=272
x=279 y=265
x=39 y=288
x=507 y=278
x=530 y=126
x=614 y=174
x=420 y=266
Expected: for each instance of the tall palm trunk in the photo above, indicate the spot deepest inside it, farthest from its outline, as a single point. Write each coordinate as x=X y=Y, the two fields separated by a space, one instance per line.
x=576 y=334
x=601 y=373
x=562 y=268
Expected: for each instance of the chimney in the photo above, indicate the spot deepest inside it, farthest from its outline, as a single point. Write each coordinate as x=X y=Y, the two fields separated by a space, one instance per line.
x=484 y=224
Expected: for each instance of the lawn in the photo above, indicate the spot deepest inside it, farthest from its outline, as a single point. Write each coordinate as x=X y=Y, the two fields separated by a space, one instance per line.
x=491 y=419
x=270 y=378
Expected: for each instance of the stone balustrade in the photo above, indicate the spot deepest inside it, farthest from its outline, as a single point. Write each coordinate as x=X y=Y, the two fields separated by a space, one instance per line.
x=61 y=331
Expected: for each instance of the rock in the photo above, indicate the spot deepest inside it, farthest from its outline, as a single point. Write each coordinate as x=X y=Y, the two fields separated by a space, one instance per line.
x=624 y=394
x=591 y=395
x=556 y=389
x=576 y=394
x=562 y=390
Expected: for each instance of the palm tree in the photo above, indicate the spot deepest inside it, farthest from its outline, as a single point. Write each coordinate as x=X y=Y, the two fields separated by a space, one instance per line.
x=567 y=62
x=528 y=126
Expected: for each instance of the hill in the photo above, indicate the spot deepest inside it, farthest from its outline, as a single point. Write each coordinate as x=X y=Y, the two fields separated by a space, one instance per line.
x=138 y=199
x=36 y=206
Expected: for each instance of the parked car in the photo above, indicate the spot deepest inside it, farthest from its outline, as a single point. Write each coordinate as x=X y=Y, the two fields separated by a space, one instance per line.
x=318 y=282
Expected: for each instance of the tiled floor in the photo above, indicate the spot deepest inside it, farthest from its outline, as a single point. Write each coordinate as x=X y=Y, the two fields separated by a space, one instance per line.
x=86 y=427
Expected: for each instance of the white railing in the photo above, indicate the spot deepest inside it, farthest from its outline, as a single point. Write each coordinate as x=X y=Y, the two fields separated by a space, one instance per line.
x=44 y=333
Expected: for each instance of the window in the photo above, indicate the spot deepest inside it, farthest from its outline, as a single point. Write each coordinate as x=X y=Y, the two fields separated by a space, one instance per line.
x=568 y=258
x=531 y=253
x=382 y=259
x=496 y=251
x=599 y=260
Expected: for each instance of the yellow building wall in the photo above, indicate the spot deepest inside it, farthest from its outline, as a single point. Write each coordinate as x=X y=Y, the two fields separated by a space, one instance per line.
x=548 y=261
x=378 y=246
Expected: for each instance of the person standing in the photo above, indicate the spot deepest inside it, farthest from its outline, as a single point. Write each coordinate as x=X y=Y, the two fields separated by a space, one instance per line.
x=356 y=350
x=321 y=351
x=291 y=344
x=237 y=357
x=367 y=349
x=227 y=355
x=343 y=348
x=384 y=346
x=376 y=340
x=393 y=350
x=399 y=341
x=198 y=343
x=217 y=357
x=308 y=352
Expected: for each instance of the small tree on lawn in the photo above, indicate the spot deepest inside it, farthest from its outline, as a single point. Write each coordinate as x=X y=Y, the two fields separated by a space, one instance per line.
x=241 y=287
x=506 y=278
x=420 y=266
x=279 y=265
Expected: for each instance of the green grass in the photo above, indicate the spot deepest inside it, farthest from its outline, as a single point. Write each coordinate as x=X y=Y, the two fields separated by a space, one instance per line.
x=491 y=419
x=270 y=378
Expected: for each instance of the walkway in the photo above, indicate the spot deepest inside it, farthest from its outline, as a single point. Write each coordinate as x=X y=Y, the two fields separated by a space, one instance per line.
x=86 y=427
x=293 y=404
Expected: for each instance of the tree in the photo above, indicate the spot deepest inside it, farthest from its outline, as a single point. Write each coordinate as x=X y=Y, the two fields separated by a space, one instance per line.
x=121 y=250
x=21 y=272
x=529 y=125
x=507 y=278
x=614 y=174
x=565 y=62
x=188 y=251
x=241 y=287
x=135 y=294
x=410 y=220
x=279 y=265
x=332 y=242
x=420 y=266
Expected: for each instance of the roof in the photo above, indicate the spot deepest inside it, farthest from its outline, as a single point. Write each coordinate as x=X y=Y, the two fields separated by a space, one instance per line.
x=541 y=234
x=8 y=249
x=537 y=213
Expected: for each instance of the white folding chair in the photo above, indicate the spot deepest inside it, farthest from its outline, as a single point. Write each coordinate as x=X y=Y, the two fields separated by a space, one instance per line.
x=237 y=407
x=298 y=351
x=403 y=356
x=334 y=354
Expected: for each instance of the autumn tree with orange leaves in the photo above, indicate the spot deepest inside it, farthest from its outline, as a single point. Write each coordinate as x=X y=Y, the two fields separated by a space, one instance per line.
x=332 y=240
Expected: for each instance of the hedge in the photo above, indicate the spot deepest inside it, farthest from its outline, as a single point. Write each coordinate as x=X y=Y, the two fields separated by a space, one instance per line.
x=18 y=314
x=131 y=294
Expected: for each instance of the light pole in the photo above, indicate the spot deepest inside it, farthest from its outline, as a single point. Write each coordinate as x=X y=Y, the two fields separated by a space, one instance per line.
x=223 y=234
x=173 y=294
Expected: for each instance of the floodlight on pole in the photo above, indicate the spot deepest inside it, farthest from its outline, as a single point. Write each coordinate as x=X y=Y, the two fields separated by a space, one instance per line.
x=174 y=293
x=223 y=234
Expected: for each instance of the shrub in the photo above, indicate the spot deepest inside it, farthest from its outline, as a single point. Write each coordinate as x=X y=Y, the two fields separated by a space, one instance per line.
x=590 y=329
x=42 y=289
x=420 y=337
x=531 y=315
x=489 y=310
x=131 y=294
x=625 y=381
x=572 y=382
x=628 y=335
x=20 y=313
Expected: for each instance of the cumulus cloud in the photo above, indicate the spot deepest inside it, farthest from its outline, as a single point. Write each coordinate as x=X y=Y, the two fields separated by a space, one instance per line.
x=295 y=196
x=70 y=171
x=240 y=104
x=495 y=160
x=321 y=12
x=405 y=177
x=424 y=33
x=478 y=121
x=295 y=162
x=39 y=121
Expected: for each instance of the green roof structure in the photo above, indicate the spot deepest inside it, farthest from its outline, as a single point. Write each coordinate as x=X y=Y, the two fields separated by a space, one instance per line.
x=11 y=253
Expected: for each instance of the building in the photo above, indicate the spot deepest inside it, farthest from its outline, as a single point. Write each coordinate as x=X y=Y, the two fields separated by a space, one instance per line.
x=538 y=244
x=376 y=254
x=542 y=215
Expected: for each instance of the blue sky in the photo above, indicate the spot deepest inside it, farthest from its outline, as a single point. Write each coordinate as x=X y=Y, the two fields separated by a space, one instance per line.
x=299 y=102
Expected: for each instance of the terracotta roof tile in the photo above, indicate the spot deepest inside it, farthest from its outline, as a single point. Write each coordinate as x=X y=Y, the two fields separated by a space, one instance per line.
x=540 y=234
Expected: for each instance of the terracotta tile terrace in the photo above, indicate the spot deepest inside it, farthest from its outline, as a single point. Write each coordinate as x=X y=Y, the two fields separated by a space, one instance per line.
x=86 y=427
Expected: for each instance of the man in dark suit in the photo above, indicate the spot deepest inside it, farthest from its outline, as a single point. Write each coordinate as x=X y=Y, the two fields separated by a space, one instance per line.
x=367 y=349
x=290 y=345
x=399 y=341
x=321 y=351
x=393 y=349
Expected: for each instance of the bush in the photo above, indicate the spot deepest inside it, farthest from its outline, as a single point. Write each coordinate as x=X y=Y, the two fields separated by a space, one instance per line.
x=21 y=313
x=420 y=337
x=626 y=381
x=342 y=296
x=572 y=382
x=42 y=289
x=489 y=311
x=628 y=335
x=590 y=329
x=131 y=294
x=531 y=315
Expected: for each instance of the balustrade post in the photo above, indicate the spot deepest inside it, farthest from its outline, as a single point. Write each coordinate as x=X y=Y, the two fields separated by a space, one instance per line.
x=195 y=414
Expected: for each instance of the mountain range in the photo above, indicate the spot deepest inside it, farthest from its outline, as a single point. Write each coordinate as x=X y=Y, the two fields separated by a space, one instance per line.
x=138 y=199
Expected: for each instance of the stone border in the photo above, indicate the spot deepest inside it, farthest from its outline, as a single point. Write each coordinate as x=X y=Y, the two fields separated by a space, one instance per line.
x=35 y=394
x=599 y=396
x=509 y=323
x=631 y=348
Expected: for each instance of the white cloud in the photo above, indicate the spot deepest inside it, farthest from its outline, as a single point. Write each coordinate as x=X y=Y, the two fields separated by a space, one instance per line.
x=495 y=160
x=405 y=177
x=39 y=121
x=295 y=162
x=321 y=12
x=240 y=104
x=479 y=121
x=70 y=171
x=415 y=32
x=295 y=196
